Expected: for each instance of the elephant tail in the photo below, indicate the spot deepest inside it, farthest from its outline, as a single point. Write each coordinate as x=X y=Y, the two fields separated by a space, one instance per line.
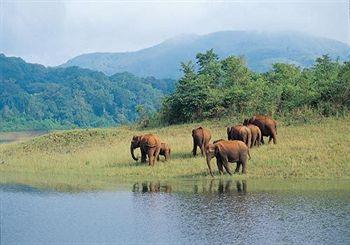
x=249 y=154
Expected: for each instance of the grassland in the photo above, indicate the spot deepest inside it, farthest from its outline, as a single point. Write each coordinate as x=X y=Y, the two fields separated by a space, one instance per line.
x=94 y=158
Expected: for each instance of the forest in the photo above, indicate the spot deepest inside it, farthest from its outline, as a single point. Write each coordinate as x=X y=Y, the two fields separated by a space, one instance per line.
x=33 y=97
x=215 y=88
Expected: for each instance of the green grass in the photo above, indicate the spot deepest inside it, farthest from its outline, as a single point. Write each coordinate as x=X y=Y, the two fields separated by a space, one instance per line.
x=95 y=158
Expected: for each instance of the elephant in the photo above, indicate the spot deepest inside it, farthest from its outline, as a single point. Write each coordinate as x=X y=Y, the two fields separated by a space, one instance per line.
x=227 y=151
x=165 y=151
x=201 y=137
x=267 y=126
x=256 y=135
x=149 y=144
x=240 y=132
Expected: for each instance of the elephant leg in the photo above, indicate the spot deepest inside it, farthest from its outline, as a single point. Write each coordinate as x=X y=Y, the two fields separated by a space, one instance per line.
x=143 y=155
x=238 y=165
x=274 y=137
x=258 y=140
x=151 y=156
x=202 y=150
x=244 y=166
x=156 y=154
x=220 y=167
x=225 y=163
x=194 y=151
x=262 y=140
x=254 y=141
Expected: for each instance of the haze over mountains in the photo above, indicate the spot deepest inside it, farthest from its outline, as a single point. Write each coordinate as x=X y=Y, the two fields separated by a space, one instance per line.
x=260 y=49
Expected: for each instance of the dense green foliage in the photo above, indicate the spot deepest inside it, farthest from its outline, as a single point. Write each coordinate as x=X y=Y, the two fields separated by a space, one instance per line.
x=35 y=97
x=260 y=49
x=227 y=87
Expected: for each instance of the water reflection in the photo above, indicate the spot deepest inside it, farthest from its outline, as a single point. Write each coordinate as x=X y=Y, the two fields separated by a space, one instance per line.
x=145 y=187
x=212 y=186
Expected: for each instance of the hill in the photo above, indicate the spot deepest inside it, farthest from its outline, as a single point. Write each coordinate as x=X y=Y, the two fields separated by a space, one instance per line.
x=260 y=50
x=35 y=97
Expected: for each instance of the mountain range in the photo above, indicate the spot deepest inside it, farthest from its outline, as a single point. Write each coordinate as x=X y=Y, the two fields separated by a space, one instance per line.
x=260 y=49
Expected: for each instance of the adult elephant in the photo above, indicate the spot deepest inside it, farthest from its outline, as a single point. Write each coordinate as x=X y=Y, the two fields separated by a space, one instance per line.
x=267 y=126
x=256 y=135
x=227 y=151
x=201 y=137
x=240 y=132
x=149 y=144
x=165 y=151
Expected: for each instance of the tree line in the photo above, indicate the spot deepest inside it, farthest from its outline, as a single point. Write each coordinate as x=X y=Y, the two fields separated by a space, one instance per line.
x=215 y=88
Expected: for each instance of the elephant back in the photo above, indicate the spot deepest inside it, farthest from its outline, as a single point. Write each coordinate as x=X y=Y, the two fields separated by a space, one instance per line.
x=201 y=134
x=236 y=132
x=254 y=129
x=151 y=140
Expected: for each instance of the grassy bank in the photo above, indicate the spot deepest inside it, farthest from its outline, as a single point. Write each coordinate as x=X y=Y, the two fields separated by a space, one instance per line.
x=95 y=156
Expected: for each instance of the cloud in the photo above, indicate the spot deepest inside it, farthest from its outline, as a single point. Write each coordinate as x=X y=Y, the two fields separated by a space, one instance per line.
x=52 y=32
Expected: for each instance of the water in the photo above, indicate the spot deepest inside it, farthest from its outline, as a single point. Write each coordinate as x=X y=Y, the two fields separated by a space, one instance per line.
x=223 y=212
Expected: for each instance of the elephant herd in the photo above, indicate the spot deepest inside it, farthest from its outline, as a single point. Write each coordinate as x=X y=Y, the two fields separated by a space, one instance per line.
x=236 y=149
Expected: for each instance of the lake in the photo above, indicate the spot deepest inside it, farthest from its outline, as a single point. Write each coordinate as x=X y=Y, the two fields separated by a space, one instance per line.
x=188 y=212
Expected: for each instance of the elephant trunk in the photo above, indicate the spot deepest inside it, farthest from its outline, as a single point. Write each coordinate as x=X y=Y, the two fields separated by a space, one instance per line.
x=132 y=153
x=208 y=163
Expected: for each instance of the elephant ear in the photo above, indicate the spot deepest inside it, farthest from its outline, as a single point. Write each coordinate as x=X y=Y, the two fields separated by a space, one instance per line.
x=193 y=132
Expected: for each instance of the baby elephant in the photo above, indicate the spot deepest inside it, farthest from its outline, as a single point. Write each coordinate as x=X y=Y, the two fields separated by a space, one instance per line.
x=227 y=151
x=165 y=151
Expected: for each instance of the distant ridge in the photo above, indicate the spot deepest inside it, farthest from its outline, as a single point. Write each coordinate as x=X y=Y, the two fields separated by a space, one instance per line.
x=261 y=49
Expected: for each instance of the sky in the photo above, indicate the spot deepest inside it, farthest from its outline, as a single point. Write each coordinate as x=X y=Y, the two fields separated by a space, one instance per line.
x=51 y=32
